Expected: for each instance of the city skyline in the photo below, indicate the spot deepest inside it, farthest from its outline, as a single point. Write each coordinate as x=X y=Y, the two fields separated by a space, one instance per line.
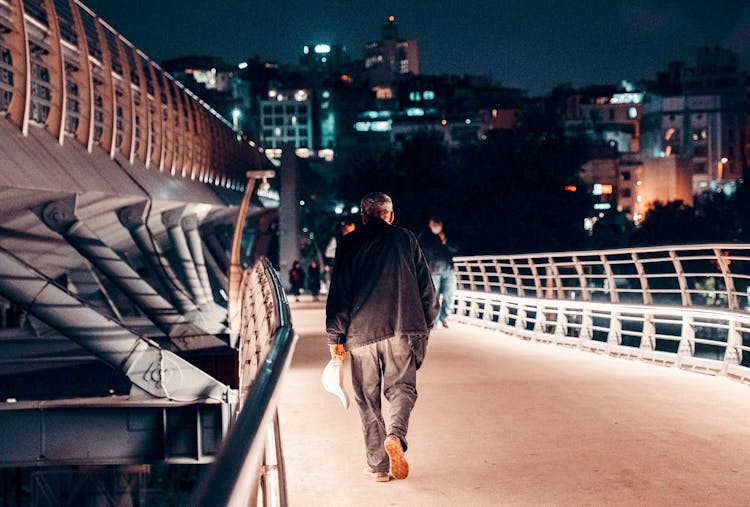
x=531 y=46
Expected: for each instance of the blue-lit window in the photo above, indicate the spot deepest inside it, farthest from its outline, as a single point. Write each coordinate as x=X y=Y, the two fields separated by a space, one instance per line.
x=415 y=96
x=428 y=95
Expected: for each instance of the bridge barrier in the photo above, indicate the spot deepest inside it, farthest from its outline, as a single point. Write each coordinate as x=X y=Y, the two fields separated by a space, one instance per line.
x=684 y=306
x=250 y=467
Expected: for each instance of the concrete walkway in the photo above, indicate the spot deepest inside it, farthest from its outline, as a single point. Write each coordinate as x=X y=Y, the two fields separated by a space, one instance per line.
x=501 y=421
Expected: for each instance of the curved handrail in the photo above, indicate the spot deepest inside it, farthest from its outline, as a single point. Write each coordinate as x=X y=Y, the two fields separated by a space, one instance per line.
x=683 y=305
x=705 y=275
x=239 y=471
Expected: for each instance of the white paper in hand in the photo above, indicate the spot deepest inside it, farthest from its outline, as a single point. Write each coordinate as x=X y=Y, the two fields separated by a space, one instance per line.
x=333 y=380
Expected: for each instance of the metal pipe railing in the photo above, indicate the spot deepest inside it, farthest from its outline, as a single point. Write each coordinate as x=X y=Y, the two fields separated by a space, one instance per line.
x=250 y=468
x=708 y=275
x=675 y=305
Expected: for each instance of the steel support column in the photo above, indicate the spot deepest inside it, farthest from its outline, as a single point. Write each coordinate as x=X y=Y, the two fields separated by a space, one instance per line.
x=60 y=217
x=133 y=220
x=171 y=220
x=190 y=226
x=158 y=372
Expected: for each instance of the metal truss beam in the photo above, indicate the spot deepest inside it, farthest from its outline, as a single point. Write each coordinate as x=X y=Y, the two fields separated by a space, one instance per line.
x=110 y=431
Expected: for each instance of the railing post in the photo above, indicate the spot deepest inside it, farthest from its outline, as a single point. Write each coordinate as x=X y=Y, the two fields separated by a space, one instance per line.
x=540 y=320
x=648 y=339
x=556 y=276
x=521 y=317
x=587 y=323
x=733 y=351
x=502 y=314
x=517 y=275
x=585 y=294
x=561 y=323
x=485 y=279
x=474 y=309
x=614 y=296
x=537 y=281
x=487 y=314
x=642 y=278
x=500 y=276
x=721 y=261
x=684 y=292
x=614 y=336
x=687 y=339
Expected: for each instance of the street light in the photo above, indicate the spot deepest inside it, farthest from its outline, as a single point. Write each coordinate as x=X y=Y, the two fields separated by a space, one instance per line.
x=235 y=269
x=236 y=113
x=722 y=162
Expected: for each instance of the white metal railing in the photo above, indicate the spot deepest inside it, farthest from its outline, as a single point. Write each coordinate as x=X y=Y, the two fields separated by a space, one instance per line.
x=250 y=468
x=675 y=305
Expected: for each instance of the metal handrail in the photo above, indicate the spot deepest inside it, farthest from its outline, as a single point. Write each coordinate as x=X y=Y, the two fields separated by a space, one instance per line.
x=706 y=275
x=250 y=468
x=681 y=314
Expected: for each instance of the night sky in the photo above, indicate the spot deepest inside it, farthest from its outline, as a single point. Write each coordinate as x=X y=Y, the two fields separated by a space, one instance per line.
x=528 y=44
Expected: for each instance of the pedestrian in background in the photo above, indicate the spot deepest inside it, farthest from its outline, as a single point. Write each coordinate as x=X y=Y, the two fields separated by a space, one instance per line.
x=380 y=309
x=313 y=280
x=439 y=252
x=297 y=279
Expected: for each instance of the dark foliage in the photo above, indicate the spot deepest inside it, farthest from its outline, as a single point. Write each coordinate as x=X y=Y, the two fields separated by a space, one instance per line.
x=505 y=194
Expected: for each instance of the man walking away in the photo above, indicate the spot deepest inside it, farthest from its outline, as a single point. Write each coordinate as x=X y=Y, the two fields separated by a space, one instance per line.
x=439 y=252
x=380 y=309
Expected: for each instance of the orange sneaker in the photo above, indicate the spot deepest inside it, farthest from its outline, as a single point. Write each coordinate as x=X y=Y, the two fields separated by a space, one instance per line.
x=399 y=465
x=376 y=476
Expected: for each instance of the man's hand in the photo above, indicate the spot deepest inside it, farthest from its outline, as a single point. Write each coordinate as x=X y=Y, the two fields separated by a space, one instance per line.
x=338 y=352
x=442 y=237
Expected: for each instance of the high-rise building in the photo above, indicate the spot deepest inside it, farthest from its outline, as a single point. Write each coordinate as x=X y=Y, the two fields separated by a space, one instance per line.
x=391 y=56
x=286 y=117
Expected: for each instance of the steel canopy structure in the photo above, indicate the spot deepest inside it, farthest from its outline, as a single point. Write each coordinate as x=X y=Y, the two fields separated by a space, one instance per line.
x=119 y=193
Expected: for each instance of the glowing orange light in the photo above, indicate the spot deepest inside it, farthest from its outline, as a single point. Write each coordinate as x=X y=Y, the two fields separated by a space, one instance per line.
x=443 y=122
x=391 y=19
x=570 y=188
x=606 y=189
x=346 y=78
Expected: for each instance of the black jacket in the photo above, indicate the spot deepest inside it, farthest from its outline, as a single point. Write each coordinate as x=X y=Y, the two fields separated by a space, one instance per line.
x=439 y=256
x=380 y=287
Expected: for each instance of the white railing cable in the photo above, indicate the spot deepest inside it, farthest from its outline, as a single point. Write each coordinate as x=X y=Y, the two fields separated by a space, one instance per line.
x=686 y=305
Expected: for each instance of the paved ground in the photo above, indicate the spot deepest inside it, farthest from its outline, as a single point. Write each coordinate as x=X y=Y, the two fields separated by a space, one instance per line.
x=501 y=421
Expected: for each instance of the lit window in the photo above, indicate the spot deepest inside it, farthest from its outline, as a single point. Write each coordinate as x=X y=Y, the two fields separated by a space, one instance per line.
x=428 y=95
x=415 y=96
x=632 y=113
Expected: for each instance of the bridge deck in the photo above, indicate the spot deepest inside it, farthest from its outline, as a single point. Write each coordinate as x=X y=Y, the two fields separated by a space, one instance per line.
x=500 y=421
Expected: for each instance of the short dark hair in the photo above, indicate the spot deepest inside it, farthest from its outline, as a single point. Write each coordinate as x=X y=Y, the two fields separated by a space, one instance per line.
x=436 y=219
x=375 y=203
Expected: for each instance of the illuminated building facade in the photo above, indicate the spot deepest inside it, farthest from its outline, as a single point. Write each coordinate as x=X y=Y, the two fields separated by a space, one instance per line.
x=708 y=130
x=286 y=117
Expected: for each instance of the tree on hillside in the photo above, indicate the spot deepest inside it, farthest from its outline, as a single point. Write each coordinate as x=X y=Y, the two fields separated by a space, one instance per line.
x=505 y=194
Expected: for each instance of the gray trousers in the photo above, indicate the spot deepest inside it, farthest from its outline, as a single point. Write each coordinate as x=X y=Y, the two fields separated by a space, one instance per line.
x=388 y=365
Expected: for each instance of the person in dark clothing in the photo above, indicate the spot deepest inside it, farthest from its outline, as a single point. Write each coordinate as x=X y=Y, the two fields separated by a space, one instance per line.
x=297 y=279
x=439 y=252
x=381 y=307
x=313 y=280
